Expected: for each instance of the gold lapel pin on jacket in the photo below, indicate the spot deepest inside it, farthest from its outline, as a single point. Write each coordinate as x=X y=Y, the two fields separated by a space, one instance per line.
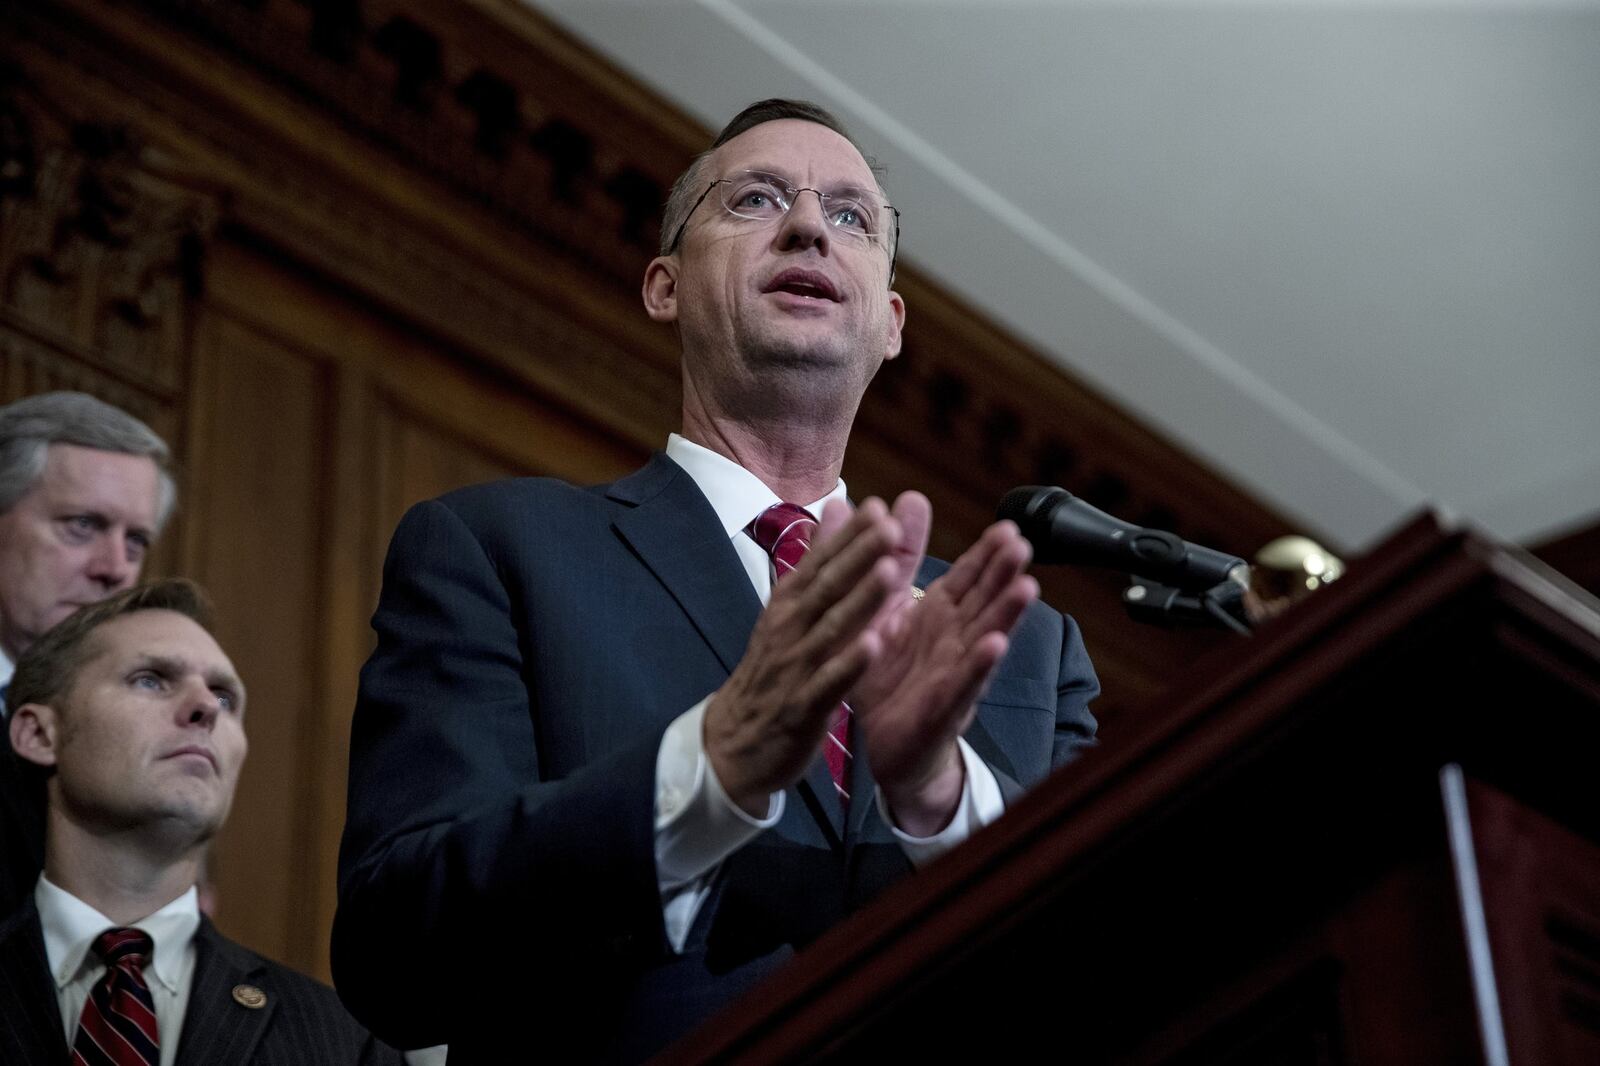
x=249 y=996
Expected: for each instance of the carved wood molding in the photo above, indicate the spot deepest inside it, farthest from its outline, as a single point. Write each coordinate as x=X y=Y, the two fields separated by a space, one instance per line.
x=100 y=251
x=556 y=320
x=572 y=171
x=560 y=163
x=31 y=363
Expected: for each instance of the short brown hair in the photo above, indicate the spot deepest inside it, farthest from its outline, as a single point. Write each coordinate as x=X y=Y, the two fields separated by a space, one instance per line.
x=51 y=663
x=688 y=186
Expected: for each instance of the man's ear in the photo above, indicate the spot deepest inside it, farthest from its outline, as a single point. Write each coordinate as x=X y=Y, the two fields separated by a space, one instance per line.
x=897 y=323
x=34 y=733
x=661 y=288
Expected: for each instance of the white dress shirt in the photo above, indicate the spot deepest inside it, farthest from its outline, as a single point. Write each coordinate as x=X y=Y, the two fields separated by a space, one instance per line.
x=70 y=928
x=697 y=825
x=7 y=668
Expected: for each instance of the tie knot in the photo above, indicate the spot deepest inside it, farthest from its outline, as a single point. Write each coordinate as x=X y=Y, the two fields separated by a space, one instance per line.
x=784 y=532
x=115 y=946
x=782 y=524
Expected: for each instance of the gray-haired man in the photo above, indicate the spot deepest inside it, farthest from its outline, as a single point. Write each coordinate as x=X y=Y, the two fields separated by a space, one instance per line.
x=84 y=490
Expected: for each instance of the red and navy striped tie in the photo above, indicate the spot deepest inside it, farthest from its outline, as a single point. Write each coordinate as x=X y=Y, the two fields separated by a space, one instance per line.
x=118 y=1025
x=784 y=532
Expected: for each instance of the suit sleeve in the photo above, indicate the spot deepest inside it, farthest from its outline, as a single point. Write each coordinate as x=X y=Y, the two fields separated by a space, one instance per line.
x=458 y=858
x=1048 y=675
x=1076 y=686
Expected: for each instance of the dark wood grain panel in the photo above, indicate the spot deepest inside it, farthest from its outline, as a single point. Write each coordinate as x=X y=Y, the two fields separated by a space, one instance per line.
x=260 y=471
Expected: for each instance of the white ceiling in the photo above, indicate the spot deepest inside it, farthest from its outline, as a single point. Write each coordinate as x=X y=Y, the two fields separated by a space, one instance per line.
x=1349 y=252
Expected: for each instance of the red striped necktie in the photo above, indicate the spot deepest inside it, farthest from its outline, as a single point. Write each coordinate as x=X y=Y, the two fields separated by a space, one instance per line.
x=784 y=532
x=118 y=1025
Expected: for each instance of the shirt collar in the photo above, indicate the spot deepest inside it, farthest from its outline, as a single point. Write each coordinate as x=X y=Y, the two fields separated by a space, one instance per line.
x=71 y=925
x=737 y=495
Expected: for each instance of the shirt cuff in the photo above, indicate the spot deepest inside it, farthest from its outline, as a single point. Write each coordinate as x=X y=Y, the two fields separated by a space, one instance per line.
x=697 y=825
x=981 y=803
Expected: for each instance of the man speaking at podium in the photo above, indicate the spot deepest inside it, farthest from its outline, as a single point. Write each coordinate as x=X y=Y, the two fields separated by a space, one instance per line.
x=597 y=789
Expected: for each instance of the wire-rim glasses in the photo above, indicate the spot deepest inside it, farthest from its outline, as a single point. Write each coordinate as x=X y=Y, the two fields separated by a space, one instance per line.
x=856 y=214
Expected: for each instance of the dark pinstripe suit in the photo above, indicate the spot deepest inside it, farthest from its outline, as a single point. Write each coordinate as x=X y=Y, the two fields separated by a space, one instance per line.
x=534 y=641
x=21 y=826
x=301 y=1023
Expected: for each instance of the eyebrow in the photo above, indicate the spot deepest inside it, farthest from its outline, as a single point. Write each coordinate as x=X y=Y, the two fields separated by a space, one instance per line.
x=779 y=172
x=102 y=518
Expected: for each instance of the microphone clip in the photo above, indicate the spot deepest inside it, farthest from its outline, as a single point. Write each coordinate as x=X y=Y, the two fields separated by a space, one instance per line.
x=1222 y=606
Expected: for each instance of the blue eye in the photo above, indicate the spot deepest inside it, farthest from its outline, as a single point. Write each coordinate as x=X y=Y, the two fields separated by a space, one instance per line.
x=852 y=214
x=755 y=197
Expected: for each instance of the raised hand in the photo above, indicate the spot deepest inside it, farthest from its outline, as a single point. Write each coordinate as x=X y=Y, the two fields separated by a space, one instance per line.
x=809 y=647
x=920 y=693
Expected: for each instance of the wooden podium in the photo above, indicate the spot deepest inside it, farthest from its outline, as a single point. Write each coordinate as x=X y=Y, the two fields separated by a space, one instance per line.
x=1369 y=835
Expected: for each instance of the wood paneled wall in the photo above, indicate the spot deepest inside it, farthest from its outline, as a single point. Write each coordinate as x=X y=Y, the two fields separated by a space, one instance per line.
x=345 y=256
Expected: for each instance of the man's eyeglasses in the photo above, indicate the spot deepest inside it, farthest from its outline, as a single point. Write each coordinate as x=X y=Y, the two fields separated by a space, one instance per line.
x=855 y=214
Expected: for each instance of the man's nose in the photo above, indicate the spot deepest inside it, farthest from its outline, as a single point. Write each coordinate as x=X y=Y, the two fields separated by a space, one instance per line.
x=803 y=225
x=110 y=564
x=199 y=706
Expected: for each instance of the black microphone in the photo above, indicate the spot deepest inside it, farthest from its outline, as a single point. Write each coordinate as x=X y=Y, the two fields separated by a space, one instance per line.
x=1064 y=529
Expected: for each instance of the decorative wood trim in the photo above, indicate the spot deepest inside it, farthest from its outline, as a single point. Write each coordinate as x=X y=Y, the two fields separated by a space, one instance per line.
x=565 y=161
x=100 y=250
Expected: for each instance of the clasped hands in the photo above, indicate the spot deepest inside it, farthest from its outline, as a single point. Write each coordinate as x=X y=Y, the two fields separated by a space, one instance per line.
x=844 y=625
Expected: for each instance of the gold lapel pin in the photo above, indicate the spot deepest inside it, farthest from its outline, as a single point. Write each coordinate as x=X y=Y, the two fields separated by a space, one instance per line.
x=249 y=996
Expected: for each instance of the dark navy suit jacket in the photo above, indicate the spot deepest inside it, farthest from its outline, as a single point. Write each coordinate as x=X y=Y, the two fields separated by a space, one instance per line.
x=301 y=1022
x=21 y=825
x=534 y=641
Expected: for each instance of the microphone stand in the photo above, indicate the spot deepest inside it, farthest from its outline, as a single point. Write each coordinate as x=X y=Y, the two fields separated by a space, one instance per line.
x=1065 y=529
x=1221 y=606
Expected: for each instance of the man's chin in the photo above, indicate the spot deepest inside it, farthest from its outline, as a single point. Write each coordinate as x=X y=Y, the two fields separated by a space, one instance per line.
x=795 y=350
x=186 y=824
x=15 y=641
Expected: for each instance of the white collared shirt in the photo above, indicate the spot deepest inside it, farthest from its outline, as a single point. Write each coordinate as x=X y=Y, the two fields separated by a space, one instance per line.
x=70 y=928
x=739 y=498
x=7 y=669
x=697 y=825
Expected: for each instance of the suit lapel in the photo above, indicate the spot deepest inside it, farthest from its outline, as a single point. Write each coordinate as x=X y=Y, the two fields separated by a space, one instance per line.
x=672 y=528
x=675 y=533
x=216 y=1027
x=31 y=1028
